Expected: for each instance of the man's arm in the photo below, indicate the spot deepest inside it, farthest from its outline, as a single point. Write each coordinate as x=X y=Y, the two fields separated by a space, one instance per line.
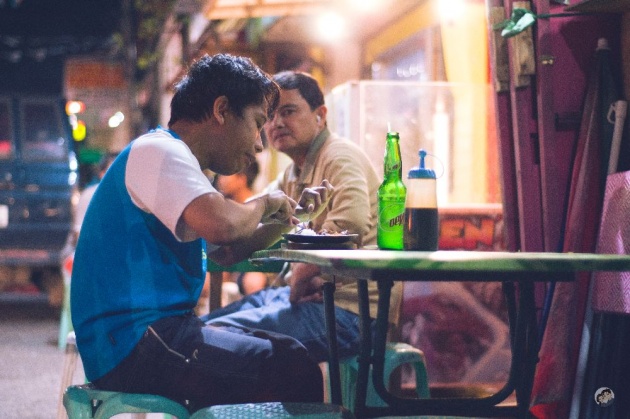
x=265 y=236
x=312 y=202
x=222 y=221
x=240 y=229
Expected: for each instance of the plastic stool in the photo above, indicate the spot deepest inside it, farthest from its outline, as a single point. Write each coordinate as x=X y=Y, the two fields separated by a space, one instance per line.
x=396 y=354
x=69 y=366
x=274 y=410
x=86 y=402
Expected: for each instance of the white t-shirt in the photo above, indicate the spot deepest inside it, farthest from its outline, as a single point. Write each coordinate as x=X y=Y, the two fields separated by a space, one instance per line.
x=159 y=162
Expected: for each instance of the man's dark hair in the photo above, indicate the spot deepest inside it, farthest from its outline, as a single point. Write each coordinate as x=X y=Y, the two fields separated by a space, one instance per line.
x=306 y=84
x=237 y=78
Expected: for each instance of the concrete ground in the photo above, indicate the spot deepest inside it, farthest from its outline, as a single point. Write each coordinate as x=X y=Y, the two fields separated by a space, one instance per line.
x=31 y=364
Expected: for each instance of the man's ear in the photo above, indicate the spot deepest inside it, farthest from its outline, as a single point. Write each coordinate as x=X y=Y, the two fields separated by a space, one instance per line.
x=220 y=108
x=321 y=113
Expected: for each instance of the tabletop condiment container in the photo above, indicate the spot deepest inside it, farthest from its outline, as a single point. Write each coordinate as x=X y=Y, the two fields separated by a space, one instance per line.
x=421 y=224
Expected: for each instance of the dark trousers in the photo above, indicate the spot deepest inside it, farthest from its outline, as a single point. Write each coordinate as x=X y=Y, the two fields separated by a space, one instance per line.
x=198 y=365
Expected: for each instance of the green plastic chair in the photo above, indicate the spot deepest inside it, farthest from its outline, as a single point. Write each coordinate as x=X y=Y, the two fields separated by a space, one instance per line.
x=276 y=410
x=396 y=354
x=65 y=322
x=86 y=402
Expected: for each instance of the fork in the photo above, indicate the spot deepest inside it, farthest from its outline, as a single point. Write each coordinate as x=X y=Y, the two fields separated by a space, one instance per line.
x=302 y=226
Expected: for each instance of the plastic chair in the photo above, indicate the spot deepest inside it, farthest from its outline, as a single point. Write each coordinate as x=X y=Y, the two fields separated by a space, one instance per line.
x=65 y=322
x=86 y=402
x=69 y=367
x=396 y=354
x=276 y=410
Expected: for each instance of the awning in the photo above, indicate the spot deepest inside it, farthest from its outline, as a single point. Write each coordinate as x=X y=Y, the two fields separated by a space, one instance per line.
x=235 y=9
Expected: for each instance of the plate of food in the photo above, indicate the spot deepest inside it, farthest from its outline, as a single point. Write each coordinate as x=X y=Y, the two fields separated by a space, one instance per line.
x=310 y=236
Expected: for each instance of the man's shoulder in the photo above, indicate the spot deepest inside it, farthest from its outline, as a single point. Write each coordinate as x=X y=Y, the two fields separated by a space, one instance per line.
x=157 y=144
x=337 y=146
x=337 y=142
x=155 y=138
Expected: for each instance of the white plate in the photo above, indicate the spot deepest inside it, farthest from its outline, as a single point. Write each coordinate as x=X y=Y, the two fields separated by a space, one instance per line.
x=320 y=238
x=4 y=216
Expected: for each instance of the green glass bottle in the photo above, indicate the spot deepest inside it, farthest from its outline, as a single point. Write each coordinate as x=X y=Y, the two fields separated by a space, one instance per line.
x=391 y=198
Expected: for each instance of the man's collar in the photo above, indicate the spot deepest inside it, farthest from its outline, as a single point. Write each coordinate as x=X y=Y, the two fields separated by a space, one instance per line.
x=305 y=174
x=170 y=131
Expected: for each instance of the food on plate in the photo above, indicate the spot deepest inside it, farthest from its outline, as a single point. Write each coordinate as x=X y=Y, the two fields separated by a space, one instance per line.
x=322 y=232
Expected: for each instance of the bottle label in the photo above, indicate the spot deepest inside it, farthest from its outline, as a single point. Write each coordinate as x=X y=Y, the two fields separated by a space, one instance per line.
x=391 y=222
x=392 y=216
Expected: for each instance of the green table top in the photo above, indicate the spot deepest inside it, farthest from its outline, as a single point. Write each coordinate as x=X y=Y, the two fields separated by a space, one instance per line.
x=446 y=260
x=247 y=266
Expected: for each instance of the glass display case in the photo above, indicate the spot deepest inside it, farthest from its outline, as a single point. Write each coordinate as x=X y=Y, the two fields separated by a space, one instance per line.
x=453 y=122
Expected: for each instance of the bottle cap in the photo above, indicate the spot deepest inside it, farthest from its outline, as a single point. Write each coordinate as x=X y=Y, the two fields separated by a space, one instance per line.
x=421 y=172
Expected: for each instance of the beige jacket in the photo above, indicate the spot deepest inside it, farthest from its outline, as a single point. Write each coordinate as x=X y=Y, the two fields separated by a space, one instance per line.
x=353 y=205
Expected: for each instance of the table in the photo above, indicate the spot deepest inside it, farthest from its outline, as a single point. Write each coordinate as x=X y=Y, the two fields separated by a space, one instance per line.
x=511 y=268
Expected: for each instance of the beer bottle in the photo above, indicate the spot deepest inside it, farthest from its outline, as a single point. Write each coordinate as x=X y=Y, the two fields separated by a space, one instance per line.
x=421 y=212
x=391 y=198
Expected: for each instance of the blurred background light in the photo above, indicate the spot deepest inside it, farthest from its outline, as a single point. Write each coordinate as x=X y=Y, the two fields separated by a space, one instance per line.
x=74 y=107
x=331 y=27
x=365 y=5
x=116 y=119
x=79 y=131
x=451 y=10
x=73 y=120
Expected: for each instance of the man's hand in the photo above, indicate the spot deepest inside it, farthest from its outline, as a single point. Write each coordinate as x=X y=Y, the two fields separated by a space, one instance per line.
x=305 y=282
x=279 y=209
x=307 y=290
x=313 y=201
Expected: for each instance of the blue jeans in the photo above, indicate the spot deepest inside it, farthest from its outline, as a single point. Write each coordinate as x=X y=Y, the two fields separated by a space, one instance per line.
x=199 y=366
x=271 y=310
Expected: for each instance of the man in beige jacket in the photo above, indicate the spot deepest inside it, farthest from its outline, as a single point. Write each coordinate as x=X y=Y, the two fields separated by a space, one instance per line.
x=299 y=130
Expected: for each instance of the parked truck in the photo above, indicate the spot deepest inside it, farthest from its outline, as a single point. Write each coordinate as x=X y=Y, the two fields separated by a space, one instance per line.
x=38 y=186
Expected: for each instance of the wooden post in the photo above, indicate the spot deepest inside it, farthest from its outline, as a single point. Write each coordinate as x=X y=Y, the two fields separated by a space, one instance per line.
x=499 y=51
x=523 y=59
